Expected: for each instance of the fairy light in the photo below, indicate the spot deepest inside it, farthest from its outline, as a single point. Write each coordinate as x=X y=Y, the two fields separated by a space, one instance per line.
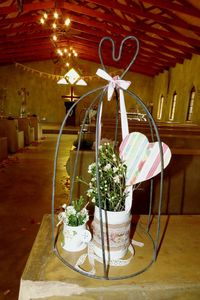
x=54 y=25
x=42 y=21
x=67 y=55
x=55 y=38
x=67 y=22
x=55 y=15
x=58 y=25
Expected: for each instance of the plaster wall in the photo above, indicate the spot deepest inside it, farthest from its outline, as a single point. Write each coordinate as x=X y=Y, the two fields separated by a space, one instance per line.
x=181 y=80
x=45 y=95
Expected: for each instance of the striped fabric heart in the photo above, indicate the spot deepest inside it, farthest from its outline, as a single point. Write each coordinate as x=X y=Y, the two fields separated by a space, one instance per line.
x=142 y=158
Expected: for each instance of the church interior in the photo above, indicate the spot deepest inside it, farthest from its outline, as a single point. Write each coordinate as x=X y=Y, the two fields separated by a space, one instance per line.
x=50 y=52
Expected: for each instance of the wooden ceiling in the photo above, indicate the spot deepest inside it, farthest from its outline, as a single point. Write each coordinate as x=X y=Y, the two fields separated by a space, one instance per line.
x=168 y=31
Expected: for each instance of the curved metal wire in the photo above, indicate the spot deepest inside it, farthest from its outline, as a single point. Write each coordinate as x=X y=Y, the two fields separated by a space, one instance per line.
x=153 y=128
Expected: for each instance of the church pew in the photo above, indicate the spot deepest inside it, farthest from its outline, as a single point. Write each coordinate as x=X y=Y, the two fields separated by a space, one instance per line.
x=34 y=124
x=181 y=187
x=3 y=148
x=24 y=125
x=15 y=137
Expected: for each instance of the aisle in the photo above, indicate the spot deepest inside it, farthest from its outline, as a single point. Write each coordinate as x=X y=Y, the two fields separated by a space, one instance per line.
x=25 y=193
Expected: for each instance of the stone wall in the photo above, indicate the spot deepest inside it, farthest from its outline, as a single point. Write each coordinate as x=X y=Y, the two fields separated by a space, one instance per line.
x=181 y=80
x=45 y=95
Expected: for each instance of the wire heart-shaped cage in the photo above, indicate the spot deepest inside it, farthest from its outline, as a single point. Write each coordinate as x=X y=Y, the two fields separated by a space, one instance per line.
x=103 y=268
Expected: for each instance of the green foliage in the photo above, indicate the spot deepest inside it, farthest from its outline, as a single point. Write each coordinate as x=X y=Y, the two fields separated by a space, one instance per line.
x=112 y=180
x=75 y=214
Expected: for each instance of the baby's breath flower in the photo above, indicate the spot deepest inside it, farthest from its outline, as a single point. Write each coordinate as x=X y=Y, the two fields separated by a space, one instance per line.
x=70 y=210
x=107 y=167
x=74 y=215
x=112 y=178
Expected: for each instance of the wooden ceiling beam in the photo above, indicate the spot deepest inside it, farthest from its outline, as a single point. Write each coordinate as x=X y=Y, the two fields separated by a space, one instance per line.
x=27 y=7
x=141 y=57
x=187 y=10
x=124 y=32
x=156 y=17
x=132 y=25
x=138 y=69
x=142 y=37
x=104 y=27
x=94 y=14
x=146 y=51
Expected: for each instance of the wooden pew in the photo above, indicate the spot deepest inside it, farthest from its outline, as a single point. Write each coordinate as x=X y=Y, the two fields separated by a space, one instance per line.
x=181 y=187
x=3 y=148
x=24 y=125
x=15 y=137
x=34 y=124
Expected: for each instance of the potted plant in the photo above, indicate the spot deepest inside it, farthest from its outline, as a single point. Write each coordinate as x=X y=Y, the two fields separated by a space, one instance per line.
x=113 y=194
x=74 y=218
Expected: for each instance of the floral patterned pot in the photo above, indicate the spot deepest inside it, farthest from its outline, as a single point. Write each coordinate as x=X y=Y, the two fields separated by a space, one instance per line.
x=75 y=238
x=116 y=228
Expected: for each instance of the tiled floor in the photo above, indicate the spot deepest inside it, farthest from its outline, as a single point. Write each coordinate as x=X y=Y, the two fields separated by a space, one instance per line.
x=25 y=193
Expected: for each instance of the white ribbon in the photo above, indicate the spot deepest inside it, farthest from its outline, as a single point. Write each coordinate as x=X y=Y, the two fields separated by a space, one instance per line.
x=113 y=262
x=120 y=84
x=114 y=82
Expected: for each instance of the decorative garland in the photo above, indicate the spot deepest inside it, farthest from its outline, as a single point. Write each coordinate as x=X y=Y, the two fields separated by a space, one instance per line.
x=56 y=76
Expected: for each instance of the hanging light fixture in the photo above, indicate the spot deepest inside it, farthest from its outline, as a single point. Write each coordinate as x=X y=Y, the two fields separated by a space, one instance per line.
x=67 y=54
x=55 y=21
x=59 y=26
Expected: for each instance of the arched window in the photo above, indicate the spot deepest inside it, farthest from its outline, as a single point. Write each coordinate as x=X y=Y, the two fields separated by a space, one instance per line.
x=160 y=107
x=190 y=104
x=173 y=106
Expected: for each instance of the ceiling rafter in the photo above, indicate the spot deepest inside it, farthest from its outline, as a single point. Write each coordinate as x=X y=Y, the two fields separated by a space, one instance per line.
x=168 y=31
x=148 y=15
x=169 y=5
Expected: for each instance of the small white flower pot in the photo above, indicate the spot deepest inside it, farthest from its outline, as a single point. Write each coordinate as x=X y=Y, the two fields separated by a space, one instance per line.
x=75 y=238
x=116 y=228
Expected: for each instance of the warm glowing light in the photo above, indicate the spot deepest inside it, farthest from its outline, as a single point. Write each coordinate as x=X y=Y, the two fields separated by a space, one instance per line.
x=81 y=82
x=67 y=22
x=72 y=77
x=59 y=52
x=62 y=81
x=45 y=16
x=55 y=15
x=67 y=64
x=42 y=21
x=54 y=25
x=55 y=38
x=65 y=50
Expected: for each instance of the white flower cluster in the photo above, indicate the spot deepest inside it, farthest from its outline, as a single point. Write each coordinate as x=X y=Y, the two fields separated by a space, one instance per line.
x=71 y=217
x=112 y=175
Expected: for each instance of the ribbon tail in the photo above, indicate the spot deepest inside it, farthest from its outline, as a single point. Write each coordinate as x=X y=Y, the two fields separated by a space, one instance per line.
x=98 y=132
x=124 y=120
x=101 y=73
x=110 y=91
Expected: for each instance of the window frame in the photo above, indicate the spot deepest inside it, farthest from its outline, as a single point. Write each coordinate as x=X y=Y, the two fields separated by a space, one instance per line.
x=190 y=108
x=173 y=106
